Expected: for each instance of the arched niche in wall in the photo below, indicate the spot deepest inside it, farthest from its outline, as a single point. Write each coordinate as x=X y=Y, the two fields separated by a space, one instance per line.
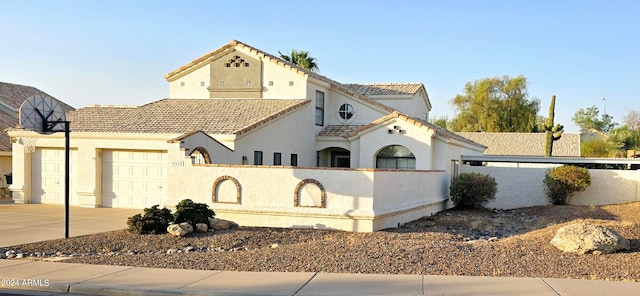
x=227 y=189
x=310 y=193
x=200 y=155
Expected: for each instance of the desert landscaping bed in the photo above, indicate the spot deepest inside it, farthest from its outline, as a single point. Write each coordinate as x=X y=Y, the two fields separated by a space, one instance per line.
x=512 y=243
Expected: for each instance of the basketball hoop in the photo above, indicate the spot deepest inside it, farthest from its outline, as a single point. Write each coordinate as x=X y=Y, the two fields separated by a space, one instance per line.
x=29 y=144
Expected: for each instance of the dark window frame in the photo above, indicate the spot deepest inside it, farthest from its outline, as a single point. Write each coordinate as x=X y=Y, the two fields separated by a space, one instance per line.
x=319 y=108
x=257 y=157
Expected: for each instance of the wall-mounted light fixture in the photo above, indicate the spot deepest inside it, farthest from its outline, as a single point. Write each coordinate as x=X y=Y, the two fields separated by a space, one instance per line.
x=245 y=160
x=398 y=129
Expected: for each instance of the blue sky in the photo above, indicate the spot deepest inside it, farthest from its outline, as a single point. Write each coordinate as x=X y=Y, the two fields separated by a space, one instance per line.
x=117 y=52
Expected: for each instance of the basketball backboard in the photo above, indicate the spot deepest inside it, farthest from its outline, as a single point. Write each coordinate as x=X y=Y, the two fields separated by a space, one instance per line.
x=42 y=114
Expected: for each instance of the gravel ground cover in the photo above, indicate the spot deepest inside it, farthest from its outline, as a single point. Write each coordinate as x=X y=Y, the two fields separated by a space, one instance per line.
x=512 y=243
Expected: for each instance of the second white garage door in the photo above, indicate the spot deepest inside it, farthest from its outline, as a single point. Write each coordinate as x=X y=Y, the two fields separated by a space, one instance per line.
x=133 y=179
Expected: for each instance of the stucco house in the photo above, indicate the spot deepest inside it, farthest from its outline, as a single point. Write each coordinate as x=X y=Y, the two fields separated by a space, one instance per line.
x=262 y=141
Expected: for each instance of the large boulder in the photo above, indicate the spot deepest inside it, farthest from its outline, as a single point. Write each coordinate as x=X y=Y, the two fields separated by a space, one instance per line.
x=202 y=227
x=585 y=238
x=181 y=229
x=221 y=224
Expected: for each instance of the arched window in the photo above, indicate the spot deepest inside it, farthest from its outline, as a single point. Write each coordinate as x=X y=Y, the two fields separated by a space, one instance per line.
x=396 y=157
x=200 y=156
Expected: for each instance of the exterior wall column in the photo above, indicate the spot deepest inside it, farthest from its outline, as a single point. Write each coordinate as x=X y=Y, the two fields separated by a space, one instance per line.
x=89 y=176
x=21 y=175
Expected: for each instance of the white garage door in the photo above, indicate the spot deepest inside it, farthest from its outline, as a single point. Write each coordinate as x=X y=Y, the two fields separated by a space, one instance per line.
x=133 y=179
x=48 y=178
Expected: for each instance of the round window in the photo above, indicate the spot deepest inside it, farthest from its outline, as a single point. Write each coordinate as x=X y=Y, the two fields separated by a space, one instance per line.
x=346 y=111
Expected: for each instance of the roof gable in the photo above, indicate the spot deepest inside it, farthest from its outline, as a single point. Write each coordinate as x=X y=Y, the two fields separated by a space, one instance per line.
x=231 y=46
x=524 y=144
x=213 y=116
x=417 y=122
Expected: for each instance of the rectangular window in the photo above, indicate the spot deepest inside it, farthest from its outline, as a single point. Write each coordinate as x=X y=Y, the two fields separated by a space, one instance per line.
x=319 y=108
x=270 y=83
x=294 y=159
x=277 y=158
x=257 y=157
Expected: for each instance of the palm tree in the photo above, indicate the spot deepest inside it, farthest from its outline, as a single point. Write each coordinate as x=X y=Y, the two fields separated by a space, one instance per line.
x=302 y=59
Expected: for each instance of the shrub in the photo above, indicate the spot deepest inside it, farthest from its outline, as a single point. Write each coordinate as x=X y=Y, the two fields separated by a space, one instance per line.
x=473 y=190
x=192 y=213
x=154 y=221
x=561 y=182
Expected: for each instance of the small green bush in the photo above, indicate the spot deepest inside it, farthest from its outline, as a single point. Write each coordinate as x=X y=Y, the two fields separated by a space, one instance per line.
x=473 y=190
x=153 y=221
x=192 y=213
x=561 y=182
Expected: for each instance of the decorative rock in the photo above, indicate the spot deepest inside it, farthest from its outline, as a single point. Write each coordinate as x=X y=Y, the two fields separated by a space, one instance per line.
x=202 y=227
x=584 y=238
x=180 y=230
x=274 y=245
x=189 y=248
x=172 y=251
x=221 y=224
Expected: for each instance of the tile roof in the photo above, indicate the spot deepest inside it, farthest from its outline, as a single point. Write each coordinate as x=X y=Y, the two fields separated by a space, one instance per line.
x=338 y=130
x=385 y=89
x=276 y=60
x=15 y=94
x=6 y=121
x=525 y=144
x=213 y=116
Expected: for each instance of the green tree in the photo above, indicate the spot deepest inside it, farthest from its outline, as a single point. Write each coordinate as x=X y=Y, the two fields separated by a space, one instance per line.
x=498 y=104
x=442 y=121
x=302 y=59
x=587 y=119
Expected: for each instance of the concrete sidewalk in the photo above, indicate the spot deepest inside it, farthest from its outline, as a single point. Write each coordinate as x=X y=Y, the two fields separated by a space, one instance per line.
x=80 y=279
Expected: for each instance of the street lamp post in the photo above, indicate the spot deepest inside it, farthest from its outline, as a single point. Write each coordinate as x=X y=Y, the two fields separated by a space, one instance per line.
x=605 y=106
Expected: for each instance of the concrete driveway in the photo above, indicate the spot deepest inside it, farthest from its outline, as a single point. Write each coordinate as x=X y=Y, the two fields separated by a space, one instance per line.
x=27 y=223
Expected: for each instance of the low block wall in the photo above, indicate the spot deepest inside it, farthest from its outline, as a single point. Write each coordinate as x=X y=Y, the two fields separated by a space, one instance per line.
x=524 y=187
x=347 y=199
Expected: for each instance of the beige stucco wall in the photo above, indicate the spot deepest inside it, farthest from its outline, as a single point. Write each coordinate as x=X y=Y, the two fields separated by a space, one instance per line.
x=192 y=88
x=375 y=139
x=292 y=133
x=235 y=75
x=353 y=201
x=524 y=187
x=365 y=114
x=287 y=84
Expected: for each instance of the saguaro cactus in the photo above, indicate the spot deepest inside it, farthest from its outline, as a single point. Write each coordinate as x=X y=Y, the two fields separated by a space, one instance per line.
x=552 y=132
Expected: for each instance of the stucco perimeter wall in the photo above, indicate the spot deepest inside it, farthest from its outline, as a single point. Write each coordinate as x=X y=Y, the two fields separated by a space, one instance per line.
x=404 y=196
x=344 y=199
x=524 y=187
